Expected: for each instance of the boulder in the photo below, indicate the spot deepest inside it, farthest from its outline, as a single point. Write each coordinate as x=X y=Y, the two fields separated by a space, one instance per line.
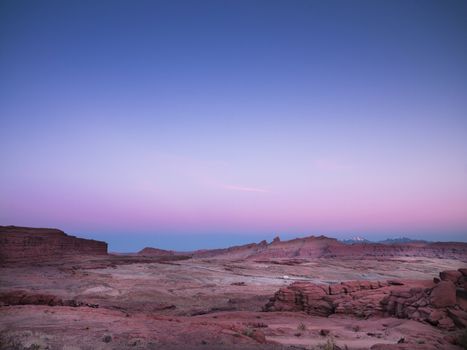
x=450 y=275
x=443 y=294
x=435 y=316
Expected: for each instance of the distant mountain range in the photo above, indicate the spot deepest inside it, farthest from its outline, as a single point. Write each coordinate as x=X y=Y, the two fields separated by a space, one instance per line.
x=324 y=247
x=401 y=240
x=398 y=240
x=49 y=243
x=354 y=240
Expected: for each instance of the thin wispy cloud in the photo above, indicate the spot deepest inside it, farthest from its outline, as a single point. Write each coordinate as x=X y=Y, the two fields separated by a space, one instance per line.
x=244 y=189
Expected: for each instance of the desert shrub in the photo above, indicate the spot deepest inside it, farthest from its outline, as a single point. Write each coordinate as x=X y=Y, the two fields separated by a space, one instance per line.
x=301 y=327
x=329 y=345
x=34 y=347
x=107 y=339
x=248 y=331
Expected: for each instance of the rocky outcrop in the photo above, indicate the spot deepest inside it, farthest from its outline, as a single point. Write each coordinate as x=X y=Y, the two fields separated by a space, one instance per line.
x=443 y=294
x=439 y=304
x=359 y=298
x=21 y=297
x=30 y=245
x=442 y=305
x=148 y=251
x=235 y=252
x=324 y=247
x=450 y=275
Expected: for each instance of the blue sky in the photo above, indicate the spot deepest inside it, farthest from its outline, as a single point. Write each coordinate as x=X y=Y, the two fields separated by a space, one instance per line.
x=229 y=121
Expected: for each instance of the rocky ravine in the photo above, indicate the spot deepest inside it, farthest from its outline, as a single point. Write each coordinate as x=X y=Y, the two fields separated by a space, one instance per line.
x=28 y=245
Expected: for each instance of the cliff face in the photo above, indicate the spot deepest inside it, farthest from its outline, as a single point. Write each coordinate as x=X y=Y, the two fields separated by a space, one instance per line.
x=24 y=244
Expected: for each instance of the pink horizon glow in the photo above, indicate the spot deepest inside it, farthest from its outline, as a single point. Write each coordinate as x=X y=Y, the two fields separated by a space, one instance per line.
x=195 y=117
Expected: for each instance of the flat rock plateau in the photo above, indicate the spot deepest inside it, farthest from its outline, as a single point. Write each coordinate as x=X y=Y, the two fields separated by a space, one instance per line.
x=62 y=292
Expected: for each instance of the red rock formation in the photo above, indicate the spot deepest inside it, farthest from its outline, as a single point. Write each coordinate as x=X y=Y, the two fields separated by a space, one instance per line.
x=450 y=275
x=239 y=252
x=21 y=297
x=324 y=247
x=26 y=245
x=437 y=304
x=443 y=294
x=360 y=298
x=148 y=251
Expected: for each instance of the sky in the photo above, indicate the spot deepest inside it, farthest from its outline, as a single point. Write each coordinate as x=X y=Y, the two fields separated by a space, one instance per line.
x=191 y=124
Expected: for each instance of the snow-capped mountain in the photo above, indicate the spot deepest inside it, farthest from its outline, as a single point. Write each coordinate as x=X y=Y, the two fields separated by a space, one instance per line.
x=356 y=239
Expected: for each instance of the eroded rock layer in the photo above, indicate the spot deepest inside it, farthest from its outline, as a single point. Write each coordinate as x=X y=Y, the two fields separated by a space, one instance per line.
x=148 y=251
x=23 y=244
x=441 y=302
x=324 y=247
